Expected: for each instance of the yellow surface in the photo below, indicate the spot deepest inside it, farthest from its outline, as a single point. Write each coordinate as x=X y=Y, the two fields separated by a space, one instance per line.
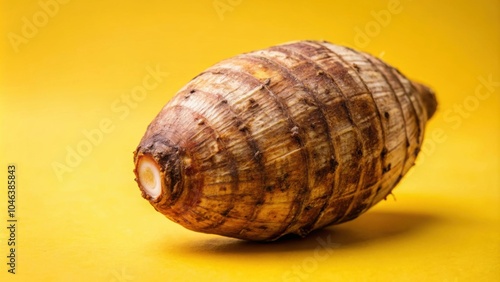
x=71 y=75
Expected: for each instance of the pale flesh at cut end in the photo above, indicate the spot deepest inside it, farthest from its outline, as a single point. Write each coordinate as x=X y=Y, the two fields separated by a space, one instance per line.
x=149 y=176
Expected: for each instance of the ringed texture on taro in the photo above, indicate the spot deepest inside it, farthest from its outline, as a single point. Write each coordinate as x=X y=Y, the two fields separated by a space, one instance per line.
x=283 y=140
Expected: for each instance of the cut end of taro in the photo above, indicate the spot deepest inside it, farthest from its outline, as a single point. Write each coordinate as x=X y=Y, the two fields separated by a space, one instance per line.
x=149 y=176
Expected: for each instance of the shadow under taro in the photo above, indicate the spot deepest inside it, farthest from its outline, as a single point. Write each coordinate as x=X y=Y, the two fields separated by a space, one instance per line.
x=368 y=228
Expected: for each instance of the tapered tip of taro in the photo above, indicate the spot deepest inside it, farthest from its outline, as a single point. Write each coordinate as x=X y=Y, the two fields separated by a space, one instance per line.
x=428 y=98
x=149 y=176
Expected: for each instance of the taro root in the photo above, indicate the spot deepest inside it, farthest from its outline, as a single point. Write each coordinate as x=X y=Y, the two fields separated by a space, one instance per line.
x=281 y=141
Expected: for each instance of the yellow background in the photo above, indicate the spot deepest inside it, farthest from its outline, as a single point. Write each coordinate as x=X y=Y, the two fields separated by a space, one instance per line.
x=71 y=72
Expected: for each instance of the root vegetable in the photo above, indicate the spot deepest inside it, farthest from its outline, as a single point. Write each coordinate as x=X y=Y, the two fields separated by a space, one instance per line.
x=283 y=140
